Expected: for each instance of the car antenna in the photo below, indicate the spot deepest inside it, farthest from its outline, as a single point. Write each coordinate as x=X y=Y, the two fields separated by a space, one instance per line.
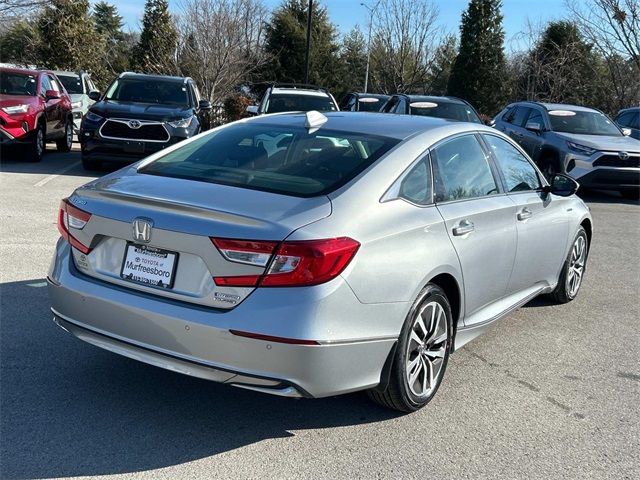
x=314 y=120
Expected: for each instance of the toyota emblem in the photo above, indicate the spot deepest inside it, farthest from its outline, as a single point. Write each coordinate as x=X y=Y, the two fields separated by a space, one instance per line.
x=623 y=155
x=134 y=124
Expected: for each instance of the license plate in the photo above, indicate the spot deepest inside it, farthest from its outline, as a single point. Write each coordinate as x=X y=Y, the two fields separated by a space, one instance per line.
x=134 y=147
x=149 y=266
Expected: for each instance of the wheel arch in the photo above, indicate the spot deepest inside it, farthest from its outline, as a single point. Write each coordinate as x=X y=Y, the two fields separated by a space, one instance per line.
x=452 y=290
x=588 y=228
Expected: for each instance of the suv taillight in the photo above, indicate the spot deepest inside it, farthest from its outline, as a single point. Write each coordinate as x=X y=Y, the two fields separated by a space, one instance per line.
x=289 y=264
x=70 y=216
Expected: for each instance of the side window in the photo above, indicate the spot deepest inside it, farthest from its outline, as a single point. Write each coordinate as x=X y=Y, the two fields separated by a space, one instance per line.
x=508 y=116
x=416 y=185
x=390 y=105
x=535 y=117
x=55 y=85
x=462 y=170
x=635 y=123
x=45 y=84
x=519 y=174
x=402 y=105
x=520 y=116
x=625 y=119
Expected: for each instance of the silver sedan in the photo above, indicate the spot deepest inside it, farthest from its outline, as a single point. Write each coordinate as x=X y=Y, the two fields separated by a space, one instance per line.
x=308 y=255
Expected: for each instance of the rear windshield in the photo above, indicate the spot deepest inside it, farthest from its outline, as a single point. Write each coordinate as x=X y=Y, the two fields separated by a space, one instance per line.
x=17 y=83
x=145 y=90
x=452 y=111
x=73 y=84
x=277 y=159
x=371 y=104
x=279 y=102
x=586 y=123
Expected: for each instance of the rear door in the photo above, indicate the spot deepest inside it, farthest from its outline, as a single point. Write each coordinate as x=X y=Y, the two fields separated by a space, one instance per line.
x=480 y=219
x=532 y=141
x=542 y=219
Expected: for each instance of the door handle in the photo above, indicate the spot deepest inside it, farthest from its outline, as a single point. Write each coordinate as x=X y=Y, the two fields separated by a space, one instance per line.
x=464 y=227
x=524 y=214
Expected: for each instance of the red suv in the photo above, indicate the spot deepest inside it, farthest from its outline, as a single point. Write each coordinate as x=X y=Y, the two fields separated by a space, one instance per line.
x=34 y=109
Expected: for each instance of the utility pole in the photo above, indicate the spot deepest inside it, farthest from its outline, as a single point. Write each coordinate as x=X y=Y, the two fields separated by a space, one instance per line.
x=371 y=12
x=308 y=54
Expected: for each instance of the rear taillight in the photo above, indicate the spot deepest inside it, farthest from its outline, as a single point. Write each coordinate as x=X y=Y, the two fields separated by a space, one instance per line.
x=70 y=216
x=289 y=264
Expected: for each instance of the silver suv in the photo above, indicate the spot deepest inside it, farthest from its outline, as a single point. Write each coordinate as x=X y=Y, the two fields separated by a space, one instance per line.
x=294 y=97
x=80 y=88
x=582 y=142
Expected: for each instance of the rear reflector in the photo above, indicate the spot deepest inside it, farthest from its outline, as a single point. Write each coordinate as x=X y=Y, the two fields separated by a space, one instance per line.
x=269 y=338
x=292 y=264
x=70 y=216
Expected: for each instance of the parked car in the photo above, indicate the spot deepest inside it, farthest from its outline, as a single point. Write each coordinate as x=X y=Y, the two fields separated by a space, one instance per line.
x=355 y=255
x=451 y=108
x=293 y=97
x=78 y=86
x=363 y=102
x=140 y=115
x=34 y=109
x=580 y=141
x=629 y=119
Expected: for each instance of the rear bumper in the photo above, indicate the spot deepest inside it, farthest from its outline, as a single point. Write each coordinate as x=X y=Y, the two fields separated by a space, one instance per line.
x=197 y=340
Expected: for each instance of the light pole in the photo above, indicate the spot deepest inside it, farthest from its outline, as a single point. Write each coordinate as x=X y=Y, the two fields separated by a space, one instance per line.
x=371 y=12
x=308 y=53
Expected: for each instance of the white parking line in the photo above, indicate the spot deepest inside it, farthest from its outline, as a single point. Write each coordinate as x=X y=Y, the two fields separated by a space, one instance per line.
x=46 y=180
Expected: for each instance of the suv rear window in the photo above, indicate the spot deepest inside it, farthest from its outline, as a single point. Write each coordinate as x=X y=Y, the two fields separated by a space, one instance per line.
x=279 y=102
x=277 y=159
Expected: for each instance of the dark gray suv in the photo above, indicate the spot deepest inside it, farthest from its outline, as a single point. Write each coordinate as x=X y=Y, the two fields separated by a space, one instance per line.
x=582 y=142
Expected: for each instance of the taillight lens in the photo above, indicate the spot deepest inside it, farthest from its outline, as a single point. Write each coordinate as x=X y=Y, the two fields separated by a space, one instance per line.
x=294 y=264
x=70 y=216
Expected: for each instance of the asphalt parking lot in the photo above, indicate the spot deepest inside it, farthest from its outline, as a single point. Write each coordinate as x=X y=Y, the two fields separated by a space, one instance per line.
x=549 y=392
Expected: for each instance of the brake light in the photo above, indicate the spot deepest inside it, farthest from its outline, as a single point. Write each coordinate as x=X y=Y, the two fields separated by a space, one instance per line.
x=293 y=264
x=70 y=216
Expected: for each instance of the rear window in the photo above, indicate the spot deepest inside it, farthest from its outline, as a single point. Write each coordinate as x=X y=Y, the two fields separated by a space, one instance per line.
x=279 y=102
x=285 y=160
x=73 y=84
x=451 y=111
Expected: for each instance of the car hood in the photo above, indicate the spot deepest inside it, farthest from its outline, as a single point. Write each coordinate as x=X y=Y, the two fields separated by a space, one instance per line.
x=603 y=142
x=140 y=111
x=11 y=100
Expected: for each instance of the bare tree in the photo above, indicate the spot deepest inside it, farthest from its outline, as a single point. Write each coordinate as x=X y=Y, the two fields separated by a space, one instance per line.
x=406 y=37
x=220 y=43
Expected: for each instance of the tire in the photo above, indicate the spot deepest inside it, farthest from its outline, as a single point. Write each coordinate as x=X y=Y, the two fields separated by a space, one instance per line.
x=65 y=143
x=432 y=307
x=575 y=264
x=35 y=150
x=90 y=164
x=631 y=194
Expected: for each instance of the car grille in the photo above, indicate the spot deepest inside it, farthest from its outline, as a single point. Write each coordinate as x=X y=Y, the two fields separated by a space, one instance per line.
x=616 y=161
x=120 y=129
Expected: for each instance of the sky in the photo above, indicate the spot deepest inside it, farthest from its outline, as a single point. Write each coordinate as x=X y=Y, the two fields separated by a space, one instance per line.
x=347 y=13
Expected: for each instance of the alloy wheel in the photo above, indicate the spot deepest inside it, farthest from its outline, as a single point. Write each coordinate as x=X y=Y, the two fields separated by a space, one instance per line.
x=576 y=266
x=426 y=349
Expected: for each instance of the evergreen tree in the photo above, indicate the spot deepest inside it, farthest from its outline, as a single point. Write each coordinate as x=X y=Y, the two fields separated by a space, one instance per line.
x=353 y=61
x=108 y=22
x=479 y=71
x=156 y=49
x=440 y=72
x=20 y=43
x=119 y=45
x=286 y=44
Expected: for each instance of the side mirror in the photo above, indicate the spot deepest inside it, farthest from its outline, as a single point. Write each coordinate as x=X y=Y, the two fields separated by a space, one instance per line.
x=204 y=105
x=490 y=122
x=252 y=109
x=94 y=95
x=51 y=95
x=562 y=185
x=626 y=131
x=534 y=127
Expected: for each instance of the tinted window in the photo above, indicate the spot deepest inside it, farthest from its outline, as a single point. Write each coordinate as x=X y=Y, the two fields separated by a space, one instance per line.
x=279 y=102
x=402 y=106
x=73 y=84
x=462 y=170
x=509 y=114
x=416 y=185
x=580 y=122
x=390 y=105
x=276 y=159
x=146 y=90
x=55 y=85
x=625 y=119
x=535 y=117
x=45 y=84
x=370 y=104
x=520 y=116
x=519 y=174
x=17 y=84
x=452 y=111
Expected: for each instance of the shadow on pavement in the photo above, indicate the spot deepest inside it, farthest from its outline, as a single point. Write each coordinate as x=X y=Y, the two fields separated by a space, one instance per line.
x=605 y=196
x=72 y=409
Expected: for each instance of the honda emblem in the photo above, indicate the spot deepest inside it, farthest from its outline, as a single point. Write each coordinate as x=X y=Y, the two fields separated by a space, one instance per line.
x=142 y=229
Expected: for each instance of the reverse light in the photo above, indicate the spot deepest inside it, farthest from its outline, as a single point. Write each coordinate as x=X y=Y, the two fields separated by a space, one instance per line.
x=72 y=217
x=583 y=149
x=16 y=109
x=289 y=264
x=182 y=123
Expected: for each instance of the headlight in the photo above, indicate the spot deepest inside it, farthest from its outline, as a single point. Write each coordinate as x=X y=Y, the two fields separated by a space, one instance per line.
x=92 y=117
x=16 y=109
x=182 y=123
x=75 y=105
x=583 y=149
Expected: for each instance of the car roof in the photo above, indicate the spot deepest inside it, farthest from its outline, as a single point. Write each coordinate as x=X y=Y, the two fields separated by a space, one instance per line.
x=27 y=71
x=67 y=73
x=165 y=78
x=434 y=98
x=395 y=126
x=299 y=91
x=630 y=109
x=373 y=95
x=557 y=106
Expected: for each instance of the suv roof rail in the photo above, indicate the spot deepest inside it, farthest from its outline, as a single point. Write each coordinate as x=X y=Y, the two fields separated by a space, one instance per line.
x=306 y=86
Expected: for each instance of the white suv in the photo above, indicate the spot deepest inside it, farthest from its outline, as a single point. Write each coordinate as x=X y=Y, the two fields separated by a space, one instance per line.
x=292 y=97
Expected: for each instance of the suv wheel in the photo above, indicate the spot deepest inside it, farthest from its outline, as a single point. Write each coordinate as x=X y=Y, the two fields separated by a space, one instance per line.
x=422 y=354
x=65 y=143
x=37 y=146
x=573 y=270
